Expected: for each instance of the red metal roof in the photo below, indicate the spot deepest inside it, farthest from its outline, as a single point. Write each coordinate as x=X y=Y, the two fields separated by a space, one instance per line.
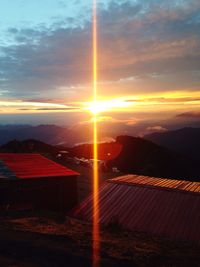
x=158 y=206
x=26 y=166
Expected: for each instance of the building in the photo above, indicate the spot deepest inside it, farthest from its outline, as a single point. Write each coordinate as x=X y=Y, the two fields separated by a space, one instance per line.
x=31 y=180
x=162 y=207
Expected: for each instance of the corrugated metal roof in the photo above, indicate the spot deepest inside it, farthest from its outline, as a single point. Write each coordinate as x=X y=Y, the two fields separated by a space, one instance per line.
x=158 y=206
x=26 y=166
x=157 y=182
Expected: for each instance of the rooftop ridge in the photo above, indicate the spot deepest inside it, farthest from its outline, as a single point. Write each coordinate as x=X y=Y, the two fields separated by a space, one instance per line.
x=161 y=183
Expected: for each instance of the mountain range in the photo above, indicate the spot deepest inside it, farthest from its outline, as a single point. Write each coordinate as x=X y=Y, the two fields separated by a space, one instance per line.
x=172 y=154
x=51 y=134
x=185 y=141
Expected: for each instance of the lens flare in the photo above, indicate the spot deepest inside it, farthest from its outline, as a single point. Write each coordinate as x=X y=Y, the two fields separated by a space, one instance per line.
x=95 y=233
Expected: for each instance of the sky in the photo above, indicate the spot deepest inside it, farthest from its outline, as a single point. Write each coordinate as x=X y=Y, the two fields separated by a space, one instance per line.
x=148 y=60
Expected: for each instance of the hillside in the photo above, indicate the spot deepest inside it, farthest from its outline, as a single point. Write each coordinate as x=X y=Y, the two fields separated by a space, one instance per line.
x=144 y=157
x=139 y=156
x=185 y=141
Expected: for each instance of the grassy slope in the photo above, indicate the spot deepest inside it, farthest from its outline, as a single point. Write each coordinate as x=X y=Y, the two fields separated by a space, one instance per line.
x=50 y=241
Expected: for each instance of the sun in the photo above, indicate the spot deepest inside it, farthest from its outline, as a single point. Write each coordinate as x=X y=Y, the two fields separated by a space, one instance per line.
x=99 y=106
x=96 y=107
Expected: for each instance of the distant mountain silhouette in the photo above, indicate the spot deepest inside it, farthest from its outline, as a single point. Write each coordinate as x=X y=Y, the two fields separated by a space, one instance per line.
x=185 y=141
x=28 y=146
x=50 y=134
x=45 y=133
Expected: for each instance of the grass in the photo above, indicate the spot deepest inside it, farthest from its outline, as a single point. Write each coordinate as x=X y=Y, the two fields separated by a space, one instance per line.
x=42 y=234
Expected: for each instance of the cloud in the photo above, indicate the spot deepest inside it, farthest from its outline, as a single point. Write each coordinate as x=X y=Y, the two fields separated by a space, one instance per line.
x=15 y=106
x=177 y=98
x=67 y=109
x=112 y=120
x=145 y=46
x=153 y=129
x=49 y=109
x=157 y=128
x=189 y=115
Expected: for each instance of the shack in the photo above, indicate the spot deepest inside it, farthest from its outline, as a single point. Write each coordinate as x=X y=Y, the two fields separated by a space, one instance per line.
x=34 y=181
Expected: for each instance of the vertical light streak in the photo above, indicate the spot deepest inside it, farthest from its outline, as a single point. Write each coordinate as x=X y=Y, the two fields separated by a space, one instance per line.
x=96 y=233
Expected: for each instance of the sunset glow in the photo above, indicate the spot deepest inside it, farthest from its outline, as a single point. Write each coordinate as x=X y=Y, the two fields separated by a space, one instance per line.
x=107 y=105
x=50 y=71
x=177 y=101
